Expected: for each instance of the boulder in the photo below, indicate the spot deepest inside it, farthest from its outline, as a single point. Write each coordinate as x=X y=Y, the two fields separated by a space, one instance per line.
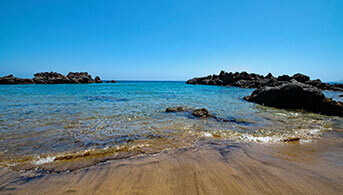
x=10 y=79
x=111 y=81
x=296 y=96
x=301 y=78
x=284 y=78
x=202 y=113
x=97 y=79
x=176 y=109
x=80 y=77
x=270 y=76
x=50 y=78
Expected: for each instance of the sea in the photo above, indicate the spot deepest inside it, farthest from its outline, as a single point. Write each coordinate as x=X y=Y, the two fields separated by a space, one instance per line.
x=56 y=123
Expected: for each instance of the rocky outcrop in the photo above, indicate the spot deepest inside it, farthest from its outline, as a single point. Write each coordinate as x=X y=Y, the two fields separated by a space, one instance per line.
x=296 y=95
x=52 y=78
x=111 y=81
x=176 y=109
x=204 y=113
x=80 y=77
x=246 y=80
x=97 y=79
x=10 y=79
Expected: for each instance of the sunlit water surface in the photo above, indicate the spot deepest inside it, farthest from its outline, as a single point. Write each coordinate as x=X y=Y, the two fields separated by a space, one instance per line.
x=44 y=123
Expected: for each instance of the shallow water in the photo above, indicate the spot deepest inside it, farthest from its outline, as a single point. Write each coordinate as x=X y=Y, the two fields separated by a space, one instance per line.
x=40 y=124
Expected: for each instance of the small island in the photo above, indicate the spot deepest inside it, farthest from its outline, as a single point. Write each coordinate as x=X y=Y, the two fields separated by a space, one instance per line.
x=53 y=78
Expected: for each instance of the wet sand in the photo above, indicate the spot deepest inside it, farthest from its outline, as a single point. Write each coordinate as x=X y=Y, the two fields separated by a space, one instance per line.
x=208 y=167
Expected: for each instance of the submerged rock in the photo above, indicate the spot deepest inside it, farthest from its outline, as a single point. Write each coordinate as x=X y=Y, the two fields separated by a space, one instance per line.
x=340 y=95
x=176 y=109
x=10 y=79
x=251 y=80
x=202 y=113
x=296 y=96
x=292 y=139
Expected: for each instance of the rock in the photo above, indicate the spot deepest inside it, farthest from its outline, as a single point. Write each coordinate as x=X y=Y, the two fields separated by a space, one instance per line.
x=97 y=79
x=252 y=80
x=80 y=77
x=175 y=109
x=50 y=78
x=10 y=79
x=270 y=76
x=291 y=139
x=111 y=81
x=202 y=113
x=340 y=95
x=296 y=96
x=284 y=78
x=301 y=78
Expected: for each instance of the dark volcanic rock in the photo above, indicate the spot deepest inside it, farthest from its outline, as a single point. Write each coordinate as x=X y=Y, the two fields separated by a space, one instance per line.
x=284 y=78
x=111 y=81
x=10 y=79
x=50 y=78
x=296 y=96
x=97 y=79
x=176 y=109
x=301 y=78
x=246 y=80
x=80 y=77
x=202 y=113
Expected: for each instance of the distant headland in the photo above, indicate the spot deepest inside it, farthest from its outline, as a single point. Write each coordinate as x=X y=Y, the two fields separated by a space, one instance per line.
x=54 y=78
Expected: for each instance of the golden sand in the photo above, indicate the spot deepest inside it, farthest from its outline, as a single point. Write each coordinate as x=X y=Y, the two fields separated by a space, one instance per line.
x=210 y=167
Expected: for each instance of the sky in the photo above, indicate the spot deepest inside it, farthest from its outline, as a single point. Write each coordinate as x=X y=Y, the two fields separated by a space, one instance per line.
x=172 y=39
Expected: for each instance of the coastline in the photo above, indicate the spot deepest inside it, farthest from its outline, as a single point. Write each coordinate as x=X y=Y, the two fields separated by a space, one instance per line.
x=209 y=167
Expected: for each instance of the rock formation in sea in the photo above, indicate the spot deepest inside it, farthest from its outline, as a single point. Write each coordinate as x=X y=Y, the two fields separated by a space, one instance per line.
x=52 y=78
x=203 y=113
x=10 y=79
x=252 y=80
x=296 y=95
x=97 y=79
x=111 y=81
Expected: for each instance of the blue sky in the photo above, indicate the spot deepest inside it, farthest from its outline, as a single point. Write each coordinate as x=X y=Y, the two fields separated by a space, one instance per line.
x=172 y=40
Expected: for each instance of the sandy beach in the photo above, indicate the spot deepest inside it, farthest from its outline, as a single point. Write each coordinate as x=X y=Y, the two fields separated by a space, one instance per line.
x=208 y=167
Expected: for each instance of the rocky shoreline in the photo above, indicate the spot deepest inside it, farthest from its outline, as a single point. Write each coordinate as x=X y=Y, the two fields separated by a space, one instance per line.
x=296 y=96
x=53 y=78
x=287 y=92
x=252 y=80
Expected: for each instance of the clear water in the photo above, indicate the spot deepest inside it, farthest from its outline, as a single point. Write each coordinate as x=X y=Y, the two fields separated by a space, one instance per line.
x=41 y=122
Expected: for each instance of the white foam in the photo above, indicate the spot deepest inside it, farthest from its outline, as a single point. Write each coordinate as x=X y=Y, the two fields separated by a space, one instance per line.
x=208 y=134
x=261 y=138
x=45 y=160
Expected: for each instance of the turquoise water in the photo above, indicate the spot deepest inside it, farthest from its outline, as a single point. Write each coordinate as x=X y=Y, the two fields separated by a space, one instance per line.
x=44 y=121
